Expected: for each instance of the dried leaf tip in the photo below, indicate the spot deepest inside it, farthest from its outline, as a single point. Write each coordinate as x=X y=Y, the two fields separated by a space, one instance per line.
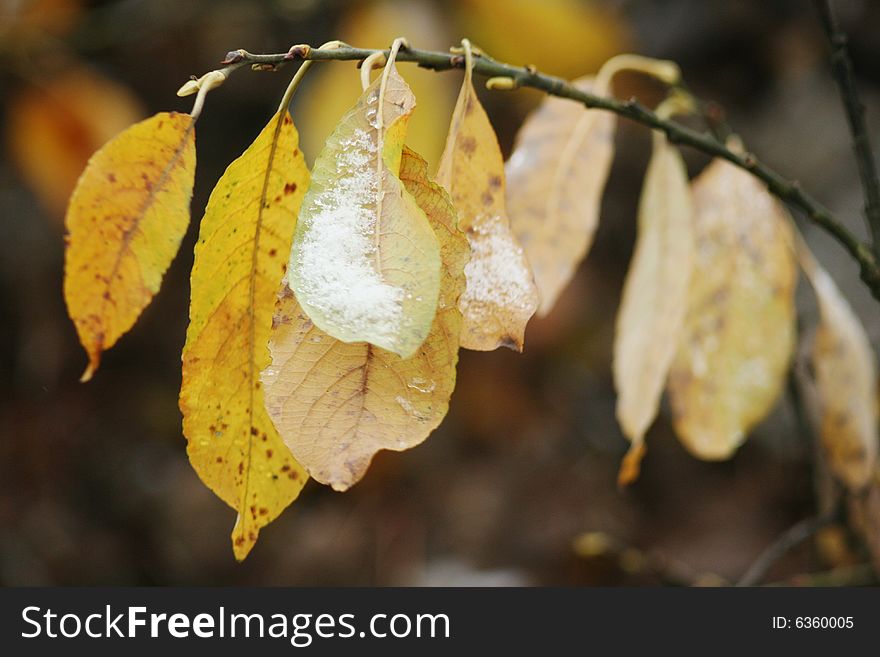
x=91 y=368
x=631 y=464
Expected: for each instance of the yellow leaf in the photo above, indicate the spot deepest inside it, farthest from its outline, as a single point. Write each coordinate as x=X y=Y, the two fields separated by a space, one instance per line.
x=330 y=90
x=63 y=120
x=739 y=329
x=500 y=297
x=336 y=404
x=846 y=382
x=28 y=23
x=555 y=179
x=655 y=292
x=583 y=33
x=240 y=259
x=127 y=215
x=365 y=264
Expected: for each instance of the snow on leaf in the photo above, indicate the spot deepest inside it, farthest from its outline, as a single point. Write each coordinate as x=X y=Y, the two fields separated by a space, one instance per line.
x=337 y=403
x=365 y=265
x=500 y=297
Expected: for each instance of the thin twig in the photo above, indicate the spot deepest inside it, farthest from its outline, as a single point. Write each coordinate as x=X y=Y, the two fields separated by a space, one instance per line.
x=792 y=537
x=842 y=71
x=527 y=76
x=862 y=574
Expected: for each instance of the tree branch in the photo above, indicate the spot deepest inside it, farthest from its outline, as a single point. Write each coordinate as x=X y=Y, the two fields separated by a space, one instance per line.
x=792 y=537
x=527 y=76
x=842 y=71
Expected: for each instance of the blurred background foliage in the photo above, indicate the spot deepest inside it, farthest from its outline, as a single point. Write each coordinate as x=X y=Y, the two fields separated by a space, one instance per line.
x=518 y=484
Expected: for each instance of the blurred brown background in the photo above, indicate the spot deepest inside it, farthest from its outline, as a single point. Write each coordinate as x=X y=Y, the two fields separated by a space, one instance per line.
x=95 y=487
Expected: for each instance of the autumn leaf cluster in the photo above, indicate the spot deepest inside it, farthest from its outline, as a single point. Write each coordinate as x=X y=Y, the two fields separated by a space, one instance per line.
x=328 y=305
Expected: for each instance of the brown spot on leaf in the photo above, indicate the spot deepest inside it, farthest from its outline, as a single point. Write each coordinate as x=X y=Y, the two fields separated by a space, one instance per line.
x=290 y=188
x=468 y=145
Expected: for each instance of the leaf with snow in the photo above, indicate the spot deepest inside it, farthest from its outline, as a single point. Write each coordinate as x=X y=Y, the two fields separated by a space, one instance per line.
x=846 y=381
x=654 y=298
x=555 y=179
x=336 y=403
x=736 y=343
x=365 y=264
x=500 y=297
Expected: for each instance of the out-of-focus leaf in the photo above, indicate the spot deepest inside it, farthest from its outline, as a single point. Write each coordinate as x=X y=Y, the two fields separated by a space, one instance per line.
x=336 y=404
x=738 y=335
x=365 y=264
x=555 y=179
x=53 y=129
x=865 y=516
x=30 y=20
x=240 y=259
x=655 y=295
x=500 y=297
x=846 y=382
x=583 y=34
x=127 y=215
x=331 y=89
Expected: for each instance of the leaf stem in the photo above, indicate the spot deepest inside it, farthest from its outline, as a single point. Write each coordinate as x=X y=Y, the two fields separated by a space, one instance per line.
x=300 y=74
x=787 y=190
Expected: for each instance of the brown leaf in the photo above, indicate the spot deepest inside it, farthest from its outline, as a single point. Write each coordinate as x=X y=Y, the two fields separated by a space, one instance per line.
x=500 y=297
x=738 y=335
x=655 y=292
x=846 y=381
x=555 y=179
